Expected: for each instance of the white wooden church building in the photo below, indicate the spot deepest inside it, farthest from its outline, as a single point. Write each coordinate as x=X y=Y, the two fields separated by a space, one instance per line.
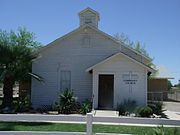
x=92 y=63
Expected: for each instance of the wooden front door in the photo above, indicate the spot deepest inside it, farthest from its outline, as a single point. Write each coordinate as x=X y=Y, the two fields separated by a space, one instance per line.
x=106 y=91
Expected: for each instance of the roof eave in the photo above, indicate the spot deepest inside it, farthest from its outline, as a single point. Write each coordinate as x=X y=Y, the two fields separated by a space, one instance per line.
x=90 y=9
x=145 y=66
x=121 y=43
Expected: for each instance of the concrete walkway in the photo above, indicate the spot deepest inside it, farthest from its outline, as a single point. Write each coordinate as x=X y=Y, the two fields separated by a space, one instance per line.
x=172 y=110
x=105 y=113
x=172 y=106
x=172 y=115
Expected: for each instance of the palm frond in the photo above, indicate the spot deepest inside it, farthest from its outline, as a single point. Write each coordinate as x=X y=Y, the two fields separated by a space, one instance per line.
x=37 y=77
x=3 y=74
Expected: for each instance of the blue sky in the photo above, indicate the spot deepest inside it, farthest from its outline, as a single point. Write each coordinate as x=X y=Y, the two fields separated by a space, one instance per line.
x=156 y=23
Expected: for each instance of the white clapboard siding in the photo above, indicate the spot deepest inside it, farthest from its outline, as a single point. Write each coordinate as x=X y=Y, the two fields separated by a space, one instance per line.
x=69 y=54
x=118 y=66
x=75 y=53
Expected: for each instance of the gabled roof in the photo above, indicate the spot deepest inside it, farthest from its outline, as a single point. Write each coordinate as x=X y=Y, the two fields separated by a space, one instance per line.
x=61 y=38
x=91 y=10
x=69 y=34
x=121 y=43
x=120 y=53
x=98 y=31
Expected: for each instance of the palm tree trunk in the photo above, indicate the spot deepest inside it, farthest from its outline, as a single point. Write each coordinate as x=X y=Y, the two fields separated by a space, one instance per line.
x=8 y=91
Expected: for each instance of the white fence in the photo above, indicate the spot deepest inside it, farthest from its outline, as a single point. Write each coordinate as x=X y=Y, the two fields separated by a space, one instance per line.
x=164 y=95
x=174 y=95
x=89 y=119
x=155 y=96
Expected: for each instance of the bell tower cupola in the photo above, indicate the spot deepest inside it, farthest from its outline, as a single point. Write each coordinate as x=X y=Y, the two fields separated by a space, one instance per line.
x=89 y=16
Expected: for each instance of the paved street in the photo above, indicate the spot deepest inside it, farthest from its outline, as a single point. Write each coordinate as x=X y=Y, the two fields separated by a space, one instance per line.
x=172 y=106
x=172 y=110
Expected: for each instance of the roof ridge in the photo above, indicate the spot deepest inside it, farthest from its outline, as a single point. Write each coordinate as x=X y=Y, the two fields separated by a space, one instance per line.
x=94 y=28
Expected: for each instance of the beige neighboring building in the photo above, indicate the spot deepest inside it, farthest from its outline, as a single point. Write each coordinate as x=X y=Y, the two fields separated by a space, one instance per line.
x=92 y=63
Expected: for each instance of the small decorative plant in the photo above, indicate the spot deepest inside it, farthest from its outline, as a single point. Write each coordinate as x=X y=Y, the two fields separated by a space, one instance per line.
x=85 y=107
x=22 y=104
x=67 y=102
x=157 y=107
x=127 y=107
x=144 y=111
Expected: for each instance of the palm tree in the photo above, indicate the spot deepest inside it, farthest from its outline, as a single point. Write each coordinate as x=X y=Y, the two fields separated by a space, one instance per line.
x=17 y=50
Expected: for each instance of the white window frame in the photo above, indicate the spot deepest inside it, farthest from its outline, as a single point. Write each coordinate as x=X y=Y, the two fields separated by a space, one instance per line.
x=65 y=79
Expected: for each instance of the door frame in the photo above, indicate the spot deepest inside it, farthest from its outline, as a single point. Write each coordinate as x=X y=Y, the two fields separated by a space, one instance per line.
x=106 y=73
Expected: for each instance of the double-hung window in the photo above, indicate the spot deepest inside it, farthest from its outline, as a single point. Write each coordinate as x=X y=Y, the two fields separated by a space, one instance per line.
x=65 y=80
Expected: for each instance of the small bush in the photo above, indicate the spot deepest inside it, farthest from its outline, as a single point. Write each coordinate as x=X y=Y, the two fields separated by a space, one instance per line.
x=153 y=107
x=67 y=102
x=85 y=107
x=121 y=109
x=157 y=108
x=22 y=104
x=144 y=111
x=127 y=107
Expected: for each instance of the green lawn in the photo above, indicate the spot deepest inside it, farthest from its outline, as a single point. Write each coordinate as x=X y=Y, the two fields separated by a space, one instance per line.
x=29 y=126
x=25 y=126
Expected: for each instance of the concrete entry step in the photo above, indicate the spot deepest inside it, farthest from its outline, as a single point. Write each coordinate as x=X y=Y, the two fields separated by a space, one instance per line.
x=105 y=113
